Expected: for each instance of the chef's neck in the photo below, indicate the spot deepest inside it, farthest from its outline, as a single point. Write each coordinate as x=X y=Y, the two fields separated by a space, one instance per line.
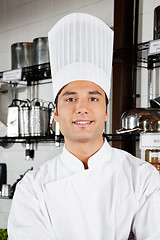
x=84 y=150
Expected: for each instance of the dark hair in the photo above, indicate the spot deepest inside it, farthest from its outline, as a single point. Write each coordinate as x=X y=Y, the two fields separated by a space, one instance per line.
x=56 y=99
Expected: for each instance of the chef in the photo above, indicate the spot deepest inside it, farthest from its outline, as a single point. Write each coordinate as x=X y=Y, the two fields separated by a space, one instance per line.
x=91 y=191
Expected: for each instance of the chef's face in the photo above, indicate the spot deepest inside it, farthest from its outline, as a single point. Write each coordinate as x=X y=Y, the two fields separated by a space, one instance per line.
x=81 y=111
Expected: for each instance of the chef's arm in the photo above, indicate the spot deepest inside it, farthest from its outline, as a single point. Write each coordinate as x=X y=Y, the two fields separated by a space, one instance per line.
x=147 y=220
x=28 y=219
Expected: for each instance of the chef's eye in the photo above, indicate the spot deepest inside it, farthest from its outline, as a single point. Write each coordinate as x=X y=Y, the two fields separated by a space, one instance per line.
x=93 y=99
x=70 y=100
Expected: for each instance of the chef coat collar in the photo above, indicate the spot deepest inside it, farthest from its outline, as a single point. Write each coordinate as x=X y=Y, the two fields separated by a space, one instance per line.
x=76 y=165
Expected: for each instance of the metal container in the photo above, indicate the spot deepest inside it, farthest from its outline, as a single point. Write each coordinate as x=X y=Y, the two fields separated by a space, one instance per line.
x=13 y=119
x=6 y=190
x=21 y=55
x=140 y=119
x=39 y=118
x=40 y=50
x=157 y=23
x=51 y=118
x=129 y=119
x=150 y=123
x=24 y=119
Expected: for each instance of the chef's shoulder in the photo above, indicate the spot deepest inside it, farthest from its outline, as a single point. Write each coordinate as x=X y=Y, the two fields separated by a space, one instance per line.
x=142 y=174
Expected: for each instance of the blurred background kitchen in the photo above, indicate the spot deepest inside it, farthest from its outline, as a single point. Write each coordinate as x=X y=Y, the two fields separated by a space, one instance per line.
x=26 y=140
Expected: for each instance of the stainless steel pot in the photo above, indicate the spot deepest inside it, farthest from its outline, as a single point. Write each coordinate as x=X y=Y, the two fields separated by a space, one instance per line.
x=140 y=119
x=40 y=50
x=21 y=55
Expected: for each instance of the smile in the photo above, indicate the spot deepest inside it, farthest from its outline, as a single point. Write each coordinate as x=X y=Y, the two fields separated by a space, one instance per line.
x=82 y=123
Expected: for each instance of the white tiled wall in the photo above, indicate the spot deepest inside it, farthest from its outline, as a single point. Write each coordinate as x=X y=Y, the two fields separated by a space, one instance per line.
x=21 y=21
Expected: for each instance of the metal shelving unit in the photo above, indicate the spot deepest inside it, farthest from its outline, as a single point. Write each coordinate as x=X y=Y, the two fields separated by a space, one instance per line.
x=139 y=53
x=34 y=74
x=41 y=74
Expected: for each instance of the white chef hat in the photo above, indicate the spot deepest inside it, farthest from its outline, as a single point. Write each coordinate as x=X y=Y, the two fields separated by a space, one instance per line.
x=80 y=47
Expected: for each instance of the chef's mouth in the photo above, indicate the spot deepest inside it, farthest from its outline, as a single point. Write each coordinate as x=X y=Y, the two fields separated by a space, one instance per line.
x=82 y=122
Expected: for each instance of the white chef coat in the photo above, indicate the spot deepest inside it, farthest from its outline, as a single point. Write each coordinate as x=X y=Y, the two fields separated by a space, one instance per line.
x=63 y=201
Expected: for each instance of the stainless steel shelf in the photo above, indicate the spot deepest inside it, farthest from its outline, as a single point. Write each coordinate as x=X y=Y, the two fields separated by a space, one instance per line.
x=34 y=74
x=136 y=56
x=60 y=138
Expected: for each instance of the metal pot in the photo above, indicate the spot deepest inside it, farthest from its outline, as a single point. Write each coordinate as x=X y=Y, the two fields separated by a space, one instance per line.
x=140 y=119
x=22 y=55
x=40 y=50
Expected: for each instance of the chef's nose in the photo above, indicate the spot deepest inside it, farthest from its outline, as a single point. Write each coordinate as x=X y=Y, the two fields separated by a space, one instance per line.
x=81 y=107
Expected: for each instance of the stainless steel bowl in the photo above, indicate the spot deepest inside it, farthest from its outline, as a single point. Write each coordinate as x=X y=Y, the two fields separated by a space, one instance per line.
x=140 y=119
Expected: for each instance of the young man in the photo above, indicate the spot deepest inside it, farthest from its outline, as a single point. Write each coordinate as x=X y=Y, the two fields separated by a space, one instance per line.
x=91 y=191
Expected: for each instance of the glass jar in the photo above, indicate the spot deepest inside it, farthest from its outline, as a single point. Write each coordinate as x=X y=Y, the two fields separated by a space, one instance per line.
x=153 y=156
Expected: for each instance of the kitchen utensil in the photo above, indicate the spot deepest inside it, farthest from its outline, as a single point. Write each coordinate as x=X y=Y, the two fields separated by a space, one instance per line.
x=6 y=190
x=13 y=119
x=150 y=123
x=140 y=119
x=3 y=174
x=39 y=118
x=40 y=51
x=51 y=118
x=24 y=118
x=22 y=54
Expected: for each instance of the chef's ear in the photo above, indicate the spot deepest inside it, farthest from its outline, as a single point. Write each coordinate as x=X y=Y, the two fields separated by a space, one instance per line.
x=106 y=116
x=56 y=114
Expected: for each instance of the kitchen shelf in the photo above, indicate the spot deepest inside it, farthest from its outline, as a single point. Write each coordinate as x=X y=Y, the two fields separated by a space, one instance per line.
x=33 y=74
x=137 y=56
x=60 y=138
x=134 y=55
x=29 y=139
x=5 y=197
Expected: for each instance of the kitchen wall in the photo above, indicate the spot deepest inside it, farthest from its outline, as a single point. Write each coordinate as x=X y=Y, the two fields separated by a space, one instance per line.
x=24 y=20
x=21 y=21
